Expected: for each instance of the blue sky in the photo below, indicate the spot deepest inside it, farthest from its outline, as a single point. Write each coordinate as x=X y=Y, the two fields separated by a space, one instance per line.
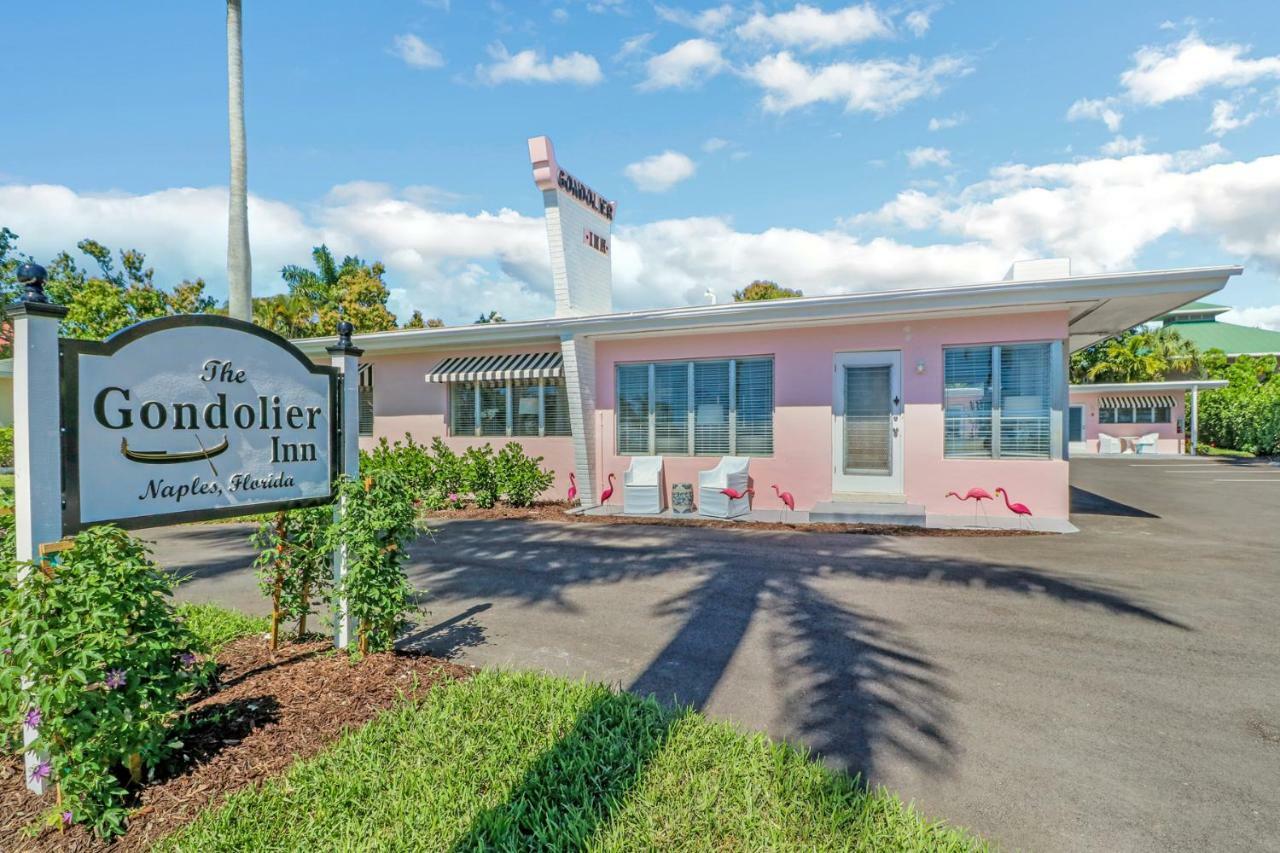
x=831 y=146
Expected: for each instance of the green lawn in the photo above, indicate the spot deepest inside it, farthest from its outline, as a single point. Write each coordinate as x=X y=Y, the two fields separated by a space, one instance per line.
x=216 y=626
x=1206 y=450
x=505 y=761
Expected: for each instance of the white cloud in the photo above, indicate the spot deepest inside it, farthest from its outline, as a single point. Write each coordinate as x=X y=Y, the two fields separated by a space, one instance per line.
x=1102 y=109
x=1123 y=146
x=1266 y=317
x=1102 y=212
x=660 y=172
x=715 y=144
x=528 y=66
x=415 y=52
x=947 y=122
x=920 y=157
x=687 y=64
x=811 y=28
x=559 y=15
x=1226 y=120
x=708 y=21
x=918 y=22
x=878 y=85
x=634 y=45
x=1162 y=74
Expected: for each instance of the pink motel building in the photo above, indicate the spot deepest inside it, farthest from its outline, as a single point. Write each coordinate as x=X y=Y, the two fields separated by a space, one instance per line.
x=865 y=405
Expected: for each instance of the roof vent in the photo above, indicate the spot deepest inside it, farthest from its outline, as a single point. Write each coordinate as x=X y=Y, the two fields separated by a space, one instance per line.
x=1039 y=268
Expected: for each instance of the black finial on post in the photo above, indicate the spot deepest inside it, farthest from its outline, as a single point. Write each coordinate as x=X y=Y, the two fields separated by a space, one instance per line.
x=32 y=278
x=344 y=346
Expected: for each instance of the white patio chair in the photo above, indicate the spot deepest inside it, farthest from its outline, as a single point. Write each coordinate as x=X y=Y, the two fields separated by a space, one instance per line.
x=1108 y=443
x=1147 y=443
x=642 y=486
x=731 y=473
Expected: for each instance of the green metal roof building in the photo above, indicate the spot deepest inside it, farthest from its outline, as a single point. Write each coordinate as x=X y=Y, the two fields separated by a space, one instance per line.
x=1198 y=322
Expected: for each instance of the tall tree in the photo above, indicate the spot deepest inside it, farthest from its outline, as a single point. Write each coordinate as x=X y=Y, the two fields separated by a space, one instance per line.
x=239 y=275
x=761 y=289
x=491 y=317
x=1138 y=355
x=318 y=298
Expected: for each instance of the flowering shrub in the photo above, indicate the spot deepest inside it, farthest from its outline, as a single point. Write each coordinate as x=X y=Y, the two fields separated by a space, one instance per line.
x=378 y=520
x=520 y=478
x=109 y=663
x=295 y=564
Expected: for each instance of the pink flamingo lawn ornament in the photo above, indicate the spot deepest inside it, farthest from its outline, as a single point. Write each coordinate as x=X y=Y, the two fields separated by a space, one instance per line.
x=608 y=492
x=734 y=494
x=1016 y=508
x=978 y=494
x=573 y=488
x=786 y=497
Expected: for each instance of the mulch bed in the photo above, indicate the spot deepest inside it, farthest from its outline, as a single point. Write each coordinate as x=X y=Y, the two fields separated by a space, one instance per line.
x=268 y=711
x=558 y=511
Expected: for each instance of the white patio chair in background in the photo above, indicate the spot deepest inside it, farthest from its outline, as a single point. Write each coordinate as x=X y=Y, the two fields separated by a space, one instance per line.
x=1108 y=443
x=642 y=486
x=731 y=473
x=1147 y=443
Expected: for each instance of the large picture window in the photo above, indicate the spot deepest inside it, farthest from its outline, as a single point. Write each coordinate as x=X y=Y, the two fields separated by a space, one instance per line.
x=696 y=408
x=999 y=401
x=1111 y=412
x=509 y=407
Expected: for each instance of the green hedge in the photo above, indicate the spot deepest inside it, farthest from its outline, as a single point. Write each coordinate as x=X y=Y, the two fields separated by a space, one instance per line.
x=442 y=478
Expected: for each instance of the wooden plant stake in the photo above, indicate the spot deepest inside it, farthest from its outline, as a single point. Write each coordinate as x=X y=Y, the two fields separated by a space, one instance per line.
x=275 y=593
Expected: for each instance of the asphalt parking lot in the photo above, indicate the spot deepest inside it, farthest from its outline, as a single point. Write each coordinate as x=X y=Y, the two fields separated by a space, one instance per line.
x=1114 y=689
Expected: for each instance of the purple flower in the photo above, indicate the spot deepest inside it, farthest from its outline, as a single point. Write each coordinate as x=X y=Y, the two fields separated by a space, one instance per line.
x=7 y=653
x=43 y=771
x=187 y=659
x=68 y=818
x=115 y=679
x=453 y=497
x=33 y=718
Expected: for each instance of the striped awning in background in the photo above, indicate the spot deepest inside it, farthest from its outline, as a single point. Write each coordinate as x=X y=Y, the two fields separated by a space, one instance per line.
x=1132 y=401
x=479 y=368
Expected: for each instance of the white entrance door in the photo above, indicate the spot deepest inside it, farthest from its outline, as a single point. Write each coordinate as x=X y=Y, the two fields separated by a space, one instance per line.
x=866 y=423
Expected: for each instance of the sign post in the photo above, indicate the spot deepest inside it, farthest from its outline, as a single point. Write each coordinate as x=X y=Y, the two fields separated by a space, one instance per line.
x=344 y=357
x=37 y=452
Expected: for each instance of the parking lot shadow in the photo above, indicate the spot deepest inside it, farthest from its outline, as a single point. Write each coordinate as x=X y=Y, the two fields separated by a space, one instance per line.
x=1090 y=503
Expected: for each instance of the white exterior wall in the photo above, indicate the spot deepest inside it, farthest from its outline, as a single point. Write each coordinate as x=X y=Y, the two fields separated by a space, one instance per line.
x=580 y=382
x=583 y=276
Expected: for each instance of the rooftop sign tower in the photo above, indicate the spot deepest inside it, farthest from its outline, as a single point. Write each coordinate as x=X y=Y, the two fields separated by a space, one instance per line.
x=579 y=221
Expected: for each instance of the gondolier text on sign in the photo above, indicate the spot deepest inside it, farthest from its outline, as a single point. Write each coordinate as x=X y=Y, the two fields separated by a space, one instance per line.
x=193 y=416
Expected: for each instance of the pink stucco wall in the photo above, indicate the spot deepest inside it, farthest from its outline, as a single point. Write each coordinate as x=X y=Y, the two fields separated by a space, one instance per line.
x=803 y=358
x=403 y=401
x=1171 y=438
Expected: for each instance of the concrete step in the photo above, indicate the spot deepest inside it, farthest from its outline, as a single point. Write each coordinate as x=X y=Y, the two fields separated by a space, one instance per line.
x=867 y=512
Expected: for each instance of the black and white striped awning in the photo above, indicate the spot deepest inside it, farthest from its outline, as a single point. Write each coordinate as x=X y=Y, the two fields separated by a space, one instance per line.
x=1135 y=401
x=482 y=368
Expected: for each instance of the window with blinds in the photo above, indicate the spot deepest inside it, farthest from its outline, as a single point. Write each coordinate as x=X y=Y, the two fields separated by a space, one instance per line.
x=704 y=408
x=525 y=406
x=555 y=403
x=968 y=392
x=633 y=409
x=671 y=408
x=515 y=407
x=998 y=402
x=868 y=420
x=1024 y=401
x=753 y=397
x=462 y=408
x=364 y=390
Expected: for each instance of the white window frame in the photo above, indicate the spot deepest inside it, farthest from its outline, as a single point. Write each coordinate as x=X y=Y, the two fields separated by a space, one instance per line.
x=508 y=388
x=692 y=404
x=1058 y=431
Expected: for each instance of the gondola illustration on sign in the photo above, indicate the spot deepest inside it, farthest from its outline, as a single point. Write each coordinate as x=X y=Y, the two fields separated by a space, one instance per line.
x=169 y=457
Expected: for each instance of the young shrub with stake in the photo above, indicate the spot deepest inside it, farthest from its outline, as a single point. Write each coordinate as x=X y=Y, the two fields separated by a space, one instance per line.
x=109 y=664
x=378 y=521
x=294 y=565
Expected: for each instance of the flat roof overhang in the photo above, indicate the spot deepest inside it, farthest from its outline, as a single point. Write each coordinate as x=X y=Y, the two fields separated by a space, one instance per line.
x=1143 y=387
x=1098 y=307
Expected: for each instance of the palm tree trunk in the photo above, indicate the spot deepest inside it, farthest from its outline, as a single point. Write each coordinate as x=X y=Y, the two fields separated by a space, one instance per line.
x=239 y=277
